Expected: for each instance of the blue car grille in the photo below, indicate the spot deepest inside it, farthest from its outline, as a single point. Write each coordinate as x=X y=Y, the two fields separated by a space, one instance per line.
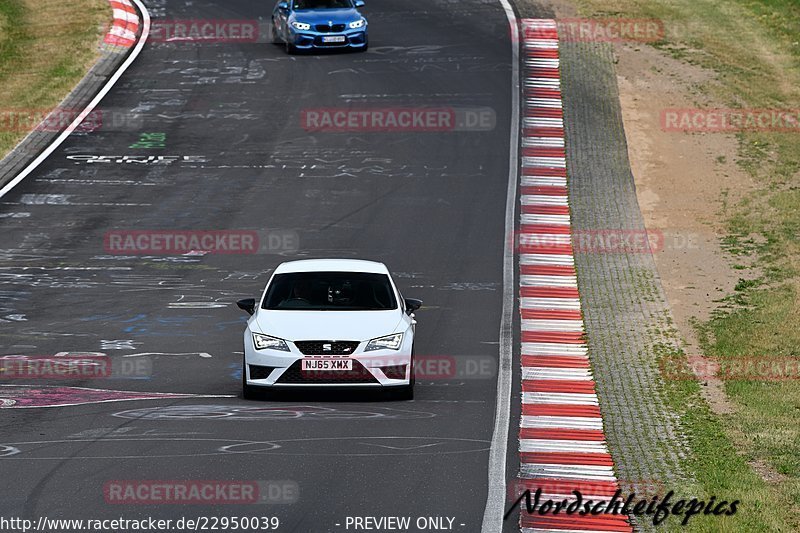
x=329 y=28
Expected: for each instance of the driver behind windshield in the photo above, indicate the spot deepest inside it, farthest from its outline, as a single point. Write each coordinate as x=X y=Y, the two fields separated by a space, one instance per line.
x=301 y=293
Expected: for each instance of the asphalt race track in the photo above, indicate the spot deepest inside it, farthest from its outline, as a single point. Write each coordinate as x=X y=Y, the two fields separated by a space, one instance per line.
x=430 y=204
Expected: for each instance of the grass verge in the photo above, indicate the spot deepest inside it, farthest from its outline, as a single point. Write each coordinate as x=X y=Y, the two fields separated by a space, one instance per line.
x=46 y=47
x=754 y=453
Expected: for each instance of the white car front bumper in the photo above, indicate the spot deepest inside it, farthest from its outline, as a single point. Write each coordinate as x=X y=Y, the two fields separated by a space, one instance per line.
x=376 y=368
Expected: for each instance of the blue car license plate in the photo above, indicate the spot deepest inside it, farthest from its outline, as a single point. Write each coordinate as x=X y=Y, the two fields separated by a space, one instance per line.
x=333 y=39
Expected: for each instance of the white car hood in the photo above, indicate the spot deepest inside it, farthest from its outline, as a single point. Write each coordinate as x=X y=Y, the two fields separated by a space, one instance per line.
x=328 y=325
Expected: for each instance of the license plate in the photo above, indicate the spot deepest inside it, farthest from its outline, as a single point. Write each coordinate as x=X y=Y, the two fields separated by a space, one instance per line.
x=333 y=39
x=327 y=365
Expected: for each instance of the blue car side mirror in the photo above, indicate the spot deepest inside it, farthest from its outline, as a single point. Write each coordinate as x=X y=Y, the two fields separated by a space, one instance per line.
x=283 y=5
x=359 y=3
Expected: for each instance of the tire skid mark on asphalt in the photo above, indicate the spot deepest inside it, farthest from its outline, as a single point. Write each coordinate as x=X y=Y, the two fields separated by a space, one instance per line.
x=562 y=446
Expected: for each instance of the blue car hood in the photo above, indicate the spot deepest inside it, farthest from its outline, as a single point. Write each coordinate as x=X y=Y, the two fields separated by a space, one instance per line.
x=323 y=16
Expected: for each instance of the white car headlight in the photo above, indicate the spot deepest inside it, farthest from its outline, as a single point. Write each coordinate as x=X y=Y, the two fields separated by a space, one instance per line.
x=389 y=342
x=301 y=25
x=357 y=24
x=265 y=342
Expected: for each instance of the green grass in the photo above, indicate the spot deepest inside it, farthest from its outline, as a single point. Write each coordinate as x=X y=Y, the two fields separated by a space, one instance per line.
x=719 y=468
x=13 y=36
x=753 y=47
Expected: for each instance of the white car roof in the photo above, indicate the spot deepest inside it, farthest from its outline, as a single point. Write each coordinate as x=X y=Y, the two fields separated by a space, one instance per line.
x=332 y=265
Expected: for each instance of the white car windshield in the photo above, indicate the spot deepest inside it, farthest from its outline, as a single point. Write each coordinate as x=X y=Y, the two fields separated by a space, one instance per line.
x=330 y=291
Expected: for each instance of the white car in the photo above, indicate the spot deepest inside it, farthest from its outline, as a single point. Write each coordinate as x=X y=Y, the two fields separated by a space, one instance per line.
x=330 y=323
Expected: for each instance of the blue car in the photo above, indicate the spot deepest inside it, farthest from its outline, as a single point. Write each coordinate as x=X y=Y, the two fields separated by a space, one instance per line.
x=319 y=24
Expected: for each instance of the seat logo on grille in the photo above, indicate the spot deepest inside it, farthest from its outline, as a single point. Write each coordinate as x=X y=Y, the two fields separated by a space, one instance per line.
x=327 y=347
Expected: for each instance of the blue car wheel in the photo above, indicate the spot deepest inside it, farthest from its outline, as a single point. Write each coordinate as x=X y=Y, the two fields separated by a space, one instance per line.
x=274 y=37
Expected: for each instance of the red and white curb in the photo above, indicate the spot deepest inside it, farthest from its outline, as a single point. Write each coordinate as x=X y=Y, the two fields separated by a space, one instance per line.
x=562 y=444
x=125 y=26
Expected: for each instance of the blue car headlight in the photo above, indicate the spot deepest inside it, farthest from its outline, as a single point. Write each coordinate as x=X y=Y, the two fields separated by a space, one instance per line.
x=357 y=24
x=301 y=26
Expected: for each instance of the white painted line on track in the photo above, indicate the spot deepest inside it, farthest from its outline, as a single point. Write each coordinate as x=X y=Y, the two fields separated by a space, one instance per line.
x=569 y=446
x=541 y=43
x=562 y=398
x=544 y=348
x=561 y=422
x=543 y=199
x=539 y=24
x=537 y=372
x=552 y=325
x=553 y=103
x=587 y=472
x=122 y=32
x=550 y=303
x=543 y=122
x=543 y=83
x=547 y=259
x=561 y=220
x=545 y=142
x=541 y=62
x=547 y=281
x=544 y=162
x=544 y=181
x=544 y=239
x=125 y=16
x=496 y=497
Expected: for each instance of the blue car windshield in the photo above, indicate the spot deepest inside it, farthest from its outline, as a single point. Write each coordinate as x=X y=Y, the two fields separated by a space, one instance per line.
x=322 y=4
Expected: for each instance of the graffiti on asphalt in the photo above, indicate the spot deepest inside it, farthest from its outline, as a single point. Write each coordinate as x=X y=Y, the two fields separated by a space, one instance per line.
x=30 y=396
